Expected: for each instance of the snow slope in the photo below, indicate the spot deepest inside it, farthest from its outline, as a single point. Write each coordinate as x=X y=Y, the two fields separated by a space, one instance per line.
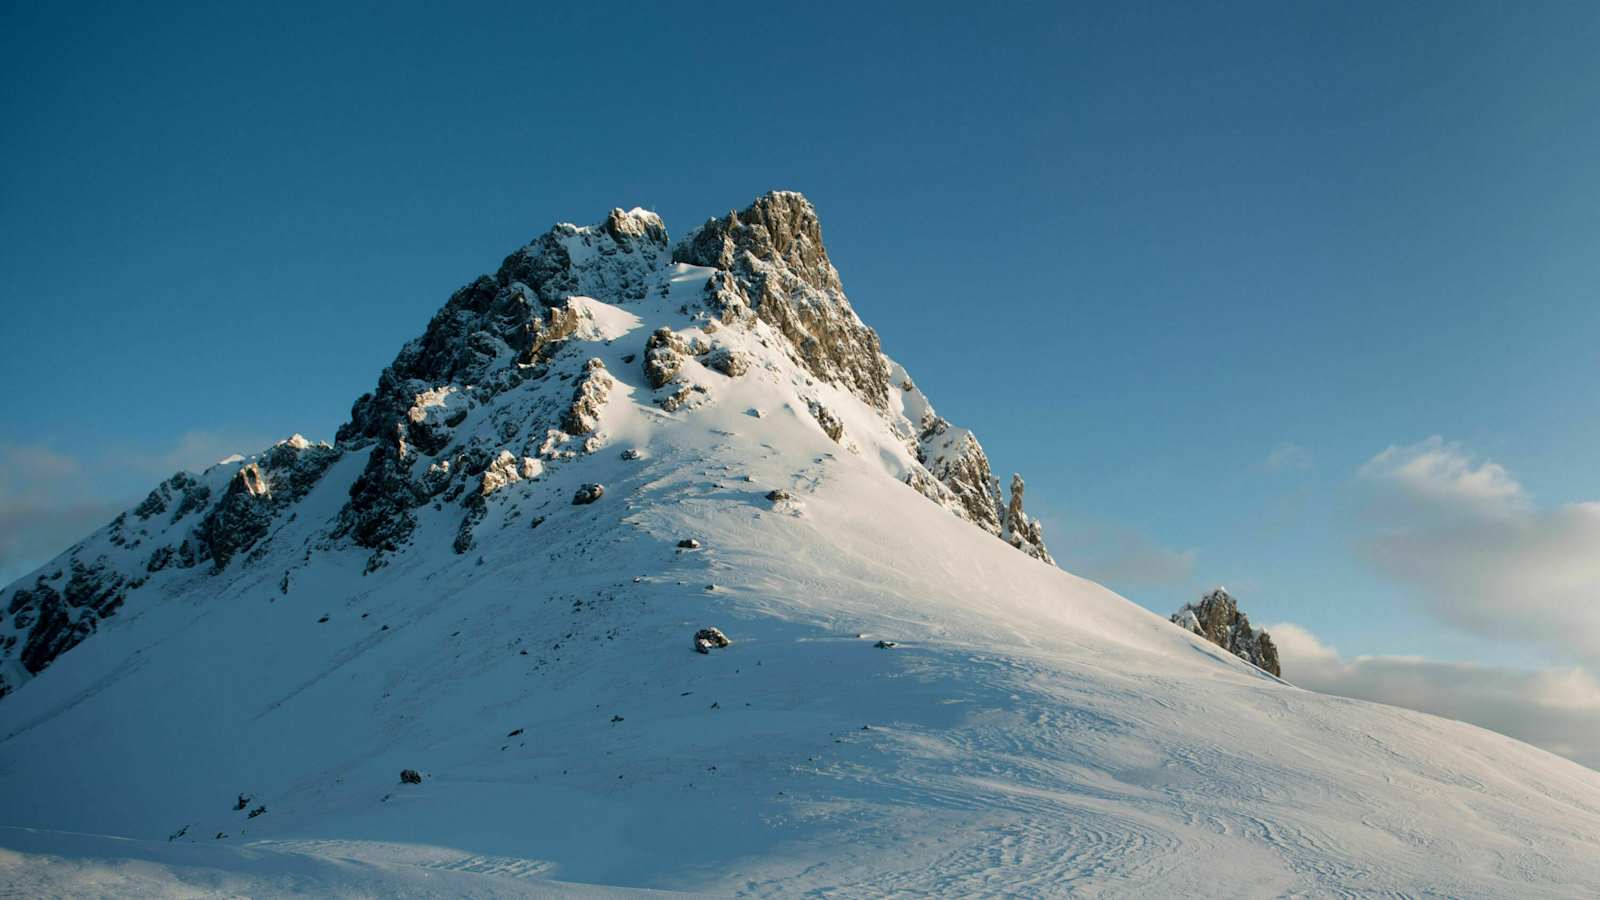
x=1029 y=733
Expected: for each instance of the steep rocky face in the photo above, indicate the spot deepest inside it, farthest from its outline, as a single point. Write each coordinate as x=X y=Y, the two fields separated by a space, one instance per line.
x=1217 y=619
x=773 y=250
x=964 y=483
x=506 y=386
x=1021 y=532
x=185 y=521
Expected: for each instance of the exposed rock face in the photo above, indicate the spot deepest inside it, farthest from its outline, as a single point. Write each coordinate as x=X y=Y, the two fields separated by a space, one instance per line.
x=57 y=620
x=781 y=271
x=1217 y=619
x=831 y=424
x=482 y=325
x=958 y=477
x=663 y=357
x=588 y=399
x=1021 y=532
x=954 y=456
x=731 y=363
x=502 y=384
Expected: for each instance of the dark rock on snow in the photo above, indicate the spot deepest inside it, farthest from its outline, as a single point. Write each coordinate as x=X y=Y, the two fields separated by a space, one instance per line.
x=1217 y=619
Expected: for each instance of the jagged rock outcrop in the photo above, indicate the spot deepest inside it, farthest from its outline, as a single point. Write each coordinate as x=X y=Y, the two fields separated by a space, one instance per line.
x=1018 y=530
x=1217 y=619
x=954 y=457
x=505 y=381
x=828 y=420
x=256 y=492
x=588 y=399
x=663 y=357
x=773 y=249
x=729 y=362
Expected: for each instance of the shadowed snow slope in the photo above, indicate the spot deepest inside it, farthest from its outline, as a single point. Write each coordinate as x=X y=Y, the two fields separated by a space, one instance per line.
x=1029 y=733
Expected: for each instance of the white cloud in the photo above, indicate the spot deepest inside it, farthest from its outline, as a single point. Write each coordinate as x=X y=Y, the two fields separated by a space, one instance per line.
x=1432 y=473
x=1469 y=542
x=49 y=499
x=196 y=450
x=45 y=505
x=1556 y=709
x=1289 y=457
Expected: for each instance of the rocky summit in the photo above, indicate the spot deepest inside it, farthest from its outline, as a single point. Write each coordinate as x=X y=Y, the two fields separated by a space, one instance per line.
x=643 y=567
x=499 y=387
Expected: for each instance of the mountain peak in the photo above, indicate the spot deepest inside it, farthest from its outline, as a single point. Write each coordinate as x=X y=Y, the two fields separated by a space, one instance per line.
x=470 y=625
x=515 y=377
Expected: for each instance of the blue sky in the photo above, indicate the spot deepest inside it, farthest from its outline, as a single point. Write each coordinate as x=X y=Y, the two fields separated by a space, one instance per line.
x=1189 y=268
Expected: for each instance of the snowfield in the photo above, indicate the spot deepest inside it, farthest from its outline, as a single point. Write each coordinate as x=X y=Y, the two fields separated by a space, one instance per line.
x=1029 y=733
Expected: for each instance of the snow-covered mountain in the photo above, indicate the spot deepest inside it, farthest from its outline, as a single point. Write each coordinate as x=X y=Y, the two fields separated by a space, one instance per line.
x=495 y=575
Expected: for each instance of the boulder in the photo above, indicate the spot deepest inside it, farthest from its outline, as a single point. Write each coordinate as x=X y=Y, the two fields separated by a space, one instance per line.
x=708 y=639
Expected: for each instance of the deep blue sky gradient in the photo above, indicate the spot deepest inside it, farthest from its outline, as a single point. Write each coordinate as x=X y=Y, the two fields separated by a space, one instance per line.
x=1134 y=247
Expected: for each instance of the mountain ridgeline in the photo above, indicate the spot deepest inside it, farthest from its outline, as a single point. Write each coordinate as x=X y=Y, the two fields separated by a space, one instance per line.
x=501 y=388
x=644 y=567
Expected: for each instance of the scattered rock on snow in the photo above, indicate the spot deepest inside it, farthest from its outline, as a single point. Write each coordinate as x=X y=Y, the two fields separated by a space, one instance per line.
x=632 y=453
x=689 y=544
x=886 y=645
x=588 y=493
x=410 y=776
x=779 y=495
x=707 y=639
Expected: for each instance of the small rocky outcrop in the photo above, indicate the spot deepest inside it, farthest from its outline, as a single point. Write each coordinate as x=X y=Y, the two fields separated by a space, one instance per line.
x=1021 y=532
x=587 y=494
x=687 y=396
x=728 y=361
x=1217 y=619
x=831 y=424
x=507 y=469
x=664 y=351
x=588 y=399
x=410 y=776
x=708 y=639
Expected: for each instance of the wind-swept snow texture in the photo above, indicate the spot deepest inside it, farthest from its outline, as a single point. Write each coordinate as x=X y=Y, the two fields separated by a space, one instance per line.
x=434 y=593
